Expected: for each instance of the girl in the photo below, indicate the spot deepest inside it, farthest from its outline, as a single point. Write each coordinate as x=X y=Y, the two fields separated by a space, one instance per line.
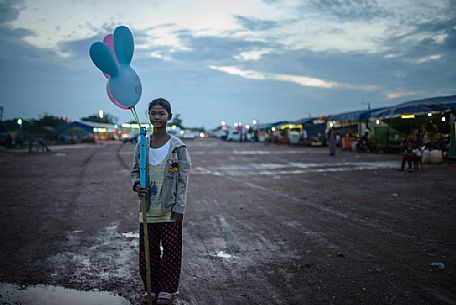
x=168 y=167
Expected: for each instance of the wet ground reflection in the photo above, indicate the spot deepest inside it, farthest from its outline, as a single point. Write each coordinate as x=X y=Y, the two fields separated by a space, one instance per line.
x=52 y=295
x=291 y=168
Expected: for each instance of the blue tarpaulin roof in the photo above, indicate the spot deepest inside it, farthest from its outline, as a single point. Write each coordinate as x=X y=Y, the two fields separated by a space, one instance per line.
x=86 y=125
x=435 y=104
x=441 y=104
x=270 y=125
x=308 y=121
x=352 y=116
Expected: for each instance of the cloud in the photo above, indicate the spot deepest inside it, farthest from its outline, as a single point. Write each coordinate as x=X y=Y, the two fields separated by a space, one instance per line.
x=252 y=55
x=421 y=36
x=9 y=10
x=158 y=55
x=255 y=24
x=164 y=37
x=361 y=26
x=422 y=60
x=304 y=81
x=397 y=94
x=361 y=10
x=439 y=38
x=221 y=50
x=424 y=41
x=392 y=55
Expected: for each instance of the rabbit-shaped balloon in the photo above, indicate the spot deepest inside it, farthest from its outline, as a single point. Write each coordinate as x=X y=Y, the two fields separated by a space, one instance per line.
x=124 y=84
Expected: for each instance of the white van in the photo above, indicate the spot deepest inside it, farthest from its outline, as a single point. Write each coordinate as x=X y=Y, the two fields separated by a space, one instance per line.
x=233 y=136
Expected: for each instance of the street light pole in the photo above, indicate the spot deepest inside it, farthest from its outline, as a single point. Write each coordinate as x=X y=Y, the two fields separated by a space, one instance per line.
x=19 y=122
x=256 y=131
x=369 y=109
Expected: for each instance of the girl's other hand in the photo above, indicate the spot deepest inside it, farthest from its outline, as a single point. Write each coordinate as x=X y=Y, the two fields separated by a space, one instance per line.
x=178 y=217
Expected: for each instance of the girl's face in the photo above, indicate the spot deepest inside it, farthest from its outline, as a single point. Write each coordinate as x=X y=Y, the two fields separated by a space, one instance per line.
x=159 y=116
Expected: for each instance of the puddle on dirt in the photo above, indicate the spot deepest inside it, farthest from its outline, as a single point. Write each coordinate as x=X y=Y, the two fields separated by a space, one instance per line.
x=136 y=235
x=60 y=154
x=96 y=253
x=223 y=254
x=131 y=235
x=52 y=295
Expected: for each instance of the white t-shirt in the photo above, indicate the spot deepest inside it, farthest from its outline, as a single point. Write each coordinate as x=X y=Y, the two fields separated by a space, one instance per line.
x=158 y=155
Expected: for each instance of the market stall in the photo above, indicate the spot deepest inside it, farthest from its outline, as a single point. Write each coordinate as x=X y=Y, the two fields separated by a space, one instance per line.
x=426 y=121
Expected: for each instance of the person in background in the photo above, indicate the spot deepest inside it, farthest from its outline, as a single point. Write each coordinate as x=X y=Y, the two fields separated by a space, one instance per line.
x=366 y=133
x=269 y=137
x=417 y=155
x=19 y=141
x=305 y=141
x=8 y=141
x=338 y=138
x=407 y=155
x=41 y=145
x=332 y=144
x=366 y=138
x=30 y=142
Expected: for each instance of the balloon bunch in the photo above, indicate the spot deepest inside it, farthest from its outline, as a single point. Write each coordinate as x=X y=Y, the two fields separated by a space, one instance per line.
x=113 y=57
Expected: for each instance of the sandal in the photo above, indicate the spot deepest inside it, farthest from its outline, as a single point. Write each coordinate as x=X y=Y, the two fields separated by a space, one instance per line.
x=154 y=296
x=164 y=298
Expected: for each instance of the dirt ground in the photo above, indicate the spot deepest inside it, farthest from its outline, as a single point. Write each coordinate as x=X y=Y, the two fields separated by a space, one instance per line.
x=265 y=224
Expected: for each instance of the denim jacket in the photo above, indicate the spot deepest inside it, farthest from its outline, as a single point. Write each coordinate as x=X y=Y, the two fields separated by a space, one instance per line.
x=177 y=170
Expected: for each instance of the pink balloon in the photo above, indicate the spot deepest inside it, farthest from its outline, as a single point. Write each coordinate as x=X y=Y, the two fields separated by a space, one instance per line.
x=115 y=102
x=108 y=40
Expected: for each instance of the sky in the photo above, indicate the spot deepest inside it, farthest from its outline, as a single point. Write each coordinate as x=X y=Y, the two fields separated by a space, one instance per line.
x=232 y=61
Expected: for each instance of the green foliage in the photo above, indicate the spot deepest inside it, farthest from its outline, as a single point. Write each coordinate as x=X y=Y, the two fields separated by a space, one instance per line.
x=198 y=129
x=107 y=118
x=49 y=121
x=32 y=126
x=176 y=120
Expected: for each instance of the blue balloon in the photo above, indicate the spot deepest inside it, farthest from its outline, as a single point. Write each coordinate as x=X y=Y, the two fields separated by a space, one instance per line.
x=126 y=87
x=123 y=45
x=124 y=83
x=102 y=58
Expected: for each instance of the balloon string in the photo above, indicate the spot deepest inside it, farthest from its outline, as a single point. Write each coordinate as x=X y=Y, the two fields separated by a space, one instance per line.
x=133 y=110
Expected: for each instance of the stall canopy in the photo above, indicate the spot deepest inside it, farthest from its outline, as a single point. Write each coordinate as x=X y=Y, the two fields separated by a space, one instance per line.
x=270 y=125
x=310 y=121
x=86 y=125
x=353 y=116
x=314 y=127
x=436 y=104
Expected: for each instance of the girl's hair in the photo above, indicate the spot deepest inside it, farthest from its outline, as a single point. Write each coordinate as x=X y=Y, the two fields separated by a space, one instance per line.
x=161 y=102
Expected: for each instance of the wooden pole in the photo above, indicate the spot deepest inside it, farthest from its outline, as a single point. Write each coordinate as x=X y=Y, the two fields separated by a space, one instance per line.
x=142 y=183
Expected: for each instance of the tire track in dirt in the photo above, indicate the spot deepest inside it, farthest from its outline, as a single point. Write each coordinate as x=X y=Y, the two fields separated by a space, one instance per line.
x=80 y=177
x=119 y=158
